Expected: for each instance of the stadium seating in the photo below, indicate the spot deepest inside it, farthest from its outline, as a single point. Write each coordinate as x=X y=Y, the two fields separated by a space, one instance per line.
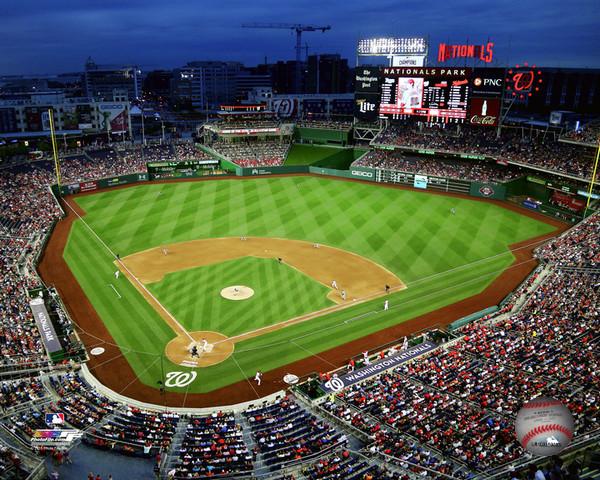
x=513 y=145
x=450 y=411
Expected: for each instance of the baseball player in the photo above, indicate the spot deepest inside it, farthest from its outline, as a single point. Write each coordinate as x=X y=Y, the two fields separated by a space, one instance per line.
x=258 y=377
x=204 y=344
x=343 y=294
x=117 y=274
x=453 y=211
x=386 y=305
x=165 y=251
x=387 y=289
x=334 y=284
x=405 y=344
x=194 y=351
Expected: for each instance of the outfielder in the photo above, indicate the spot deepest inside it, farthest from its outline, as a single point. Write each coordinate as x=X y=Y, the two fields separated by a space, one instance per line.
x=386 y=305
x=117 y=274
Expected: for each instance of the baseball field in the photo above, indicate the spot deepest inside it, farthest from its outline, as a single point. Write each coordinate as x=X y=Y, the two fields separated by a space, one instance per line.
x=285 y=239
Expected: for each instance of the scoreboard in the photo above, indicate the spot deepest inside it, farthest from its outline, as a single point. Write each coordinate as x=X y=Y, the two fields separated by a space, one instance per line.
x=428 y=94
x=187 y=168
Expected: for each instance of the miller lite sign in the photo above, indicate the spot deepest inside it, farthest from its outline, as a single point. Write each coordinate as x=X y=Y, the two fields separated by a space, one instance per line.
x=366 y=106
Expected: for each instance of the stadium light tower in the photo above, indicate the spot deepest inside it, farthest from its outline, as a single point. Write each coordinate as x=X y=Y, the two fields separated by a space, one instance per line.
x=298 y=28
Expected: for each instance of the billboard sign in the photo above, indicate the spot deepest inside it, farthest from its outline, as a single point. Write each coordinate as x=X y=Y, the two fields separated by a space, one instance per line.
x=488 y=82
x=484 y=112
x=338 y=383
x=45 y=327
x=366 y=106
x=408 y=60
x=367 y=79
x=114 y=117
x=285 y=107
x=420 y=181
x=431 y=94
x=483 y=52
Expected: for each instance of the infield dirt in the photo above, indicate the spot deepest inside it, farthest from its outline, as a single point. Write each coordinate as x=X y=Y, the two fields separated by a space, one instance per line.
x=113 y=370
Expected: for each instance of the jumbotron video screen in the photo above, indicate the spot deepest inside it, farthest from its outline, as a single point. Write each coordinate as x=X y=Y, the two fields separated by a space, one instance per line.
x=428 y=93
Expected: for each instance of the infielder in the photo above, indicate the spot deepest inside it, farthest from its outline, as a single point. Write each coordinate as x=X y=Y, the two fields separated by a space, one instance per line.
x=334 y=284
x=165 y=251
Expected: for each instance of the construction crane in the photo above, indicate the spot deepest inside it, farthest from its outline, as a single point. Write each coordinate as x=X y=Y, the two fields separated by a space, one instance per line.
x=299 y=28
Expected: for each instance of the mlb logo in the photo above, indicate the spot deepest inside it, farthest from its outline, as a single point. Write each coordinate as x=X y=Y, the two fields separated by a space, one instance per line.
x=55 y=418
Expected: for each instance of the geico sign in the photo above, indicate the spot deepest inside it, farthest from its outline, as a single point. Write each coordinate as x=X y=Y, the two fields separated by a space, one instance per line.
x=358 y=173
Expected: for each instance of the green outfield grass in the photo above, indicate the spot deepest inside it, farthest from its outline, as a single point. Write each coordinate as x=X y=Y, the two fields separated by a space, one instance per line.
x=442 y=258
x=280 y=292
x=322 y=156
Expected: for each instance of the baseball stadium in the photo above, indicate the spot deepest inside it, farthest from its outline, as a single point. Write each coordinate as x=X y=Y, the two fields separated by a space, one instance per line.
x=307 y=287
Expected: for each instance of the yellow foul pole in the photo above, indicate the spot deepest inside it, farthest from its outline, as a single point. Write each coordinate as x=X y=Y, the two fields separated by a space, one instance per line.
x=54 y=147
x=593 y=179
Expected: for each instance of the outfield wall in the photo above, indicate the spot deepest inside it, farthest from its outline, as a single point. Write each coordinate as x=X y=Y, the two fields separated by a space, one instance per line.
x=322 y=136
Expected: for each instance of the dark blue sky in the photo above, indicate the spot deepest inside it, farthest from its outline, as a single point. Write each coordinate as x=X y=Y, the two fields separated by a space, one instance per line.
x=50 y=36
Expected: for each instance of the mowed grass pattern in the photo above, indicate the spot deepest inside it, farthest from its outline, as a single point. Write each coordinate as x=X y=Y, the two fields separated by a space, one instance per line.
x=442 y=257
x=280 y=292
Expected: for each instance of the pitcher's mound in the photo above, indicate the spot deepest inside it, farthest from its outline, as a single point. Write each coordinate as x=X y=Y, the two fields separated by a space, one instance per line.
x=211 y=348
x=237 y=292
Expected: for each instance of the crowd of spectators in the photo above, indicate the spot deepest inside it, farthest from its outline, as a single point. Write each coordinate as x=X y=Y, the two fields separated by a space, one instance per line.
x=254 y=154
x=21 y=391
x=212 y=446
x=325 y=124
x=27 y=211
x=101 y=163
x=478 y=170
x=344 y=465
x=135 y=431
x=513 y=145
x=579 y=247
x=589 y=134
x=188 y=151
x=461 y=401
x=285 y=432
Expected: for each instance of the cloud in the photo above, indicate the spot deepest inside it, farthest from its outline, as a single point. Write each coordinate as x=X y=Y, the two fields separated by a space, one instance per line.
x=44 y=36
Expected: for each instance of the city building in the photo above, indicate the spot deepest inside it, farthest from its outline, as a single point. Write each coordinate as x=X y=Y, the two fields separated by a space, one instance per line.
x=28 y=114
x=206 y=84
x=101 y=81
x=327 y=73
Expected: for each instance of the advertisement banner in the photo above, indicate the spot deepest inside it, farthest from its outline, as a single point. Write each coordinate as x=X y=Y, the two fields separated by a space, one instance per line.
x=488 y=190
x=88 y=186
x=69 y=117
x=488 y=82
x=367 y=79
x=366 y=106
x=45 y=327
x=337 y=384
x=285 y=107
x=363 y=173
x=115 y=117
x=420 y=181
x=408 y=60
x=484 y=112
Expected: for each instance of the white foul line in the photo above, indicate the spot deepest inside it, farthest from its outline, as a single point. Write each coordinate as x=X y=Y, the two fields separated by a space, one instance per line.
x=113 y=287
x=132 y=275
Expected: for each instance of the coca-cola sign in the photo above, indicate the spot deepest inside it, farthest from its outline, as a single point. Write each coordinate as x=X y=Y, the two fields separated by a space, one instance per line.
x=487 y=120
x=484 y=111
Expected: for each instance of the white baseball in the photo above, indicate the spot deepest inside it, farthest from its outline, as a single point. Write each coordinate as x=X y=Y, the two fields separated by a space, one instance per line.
x=544 y=426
